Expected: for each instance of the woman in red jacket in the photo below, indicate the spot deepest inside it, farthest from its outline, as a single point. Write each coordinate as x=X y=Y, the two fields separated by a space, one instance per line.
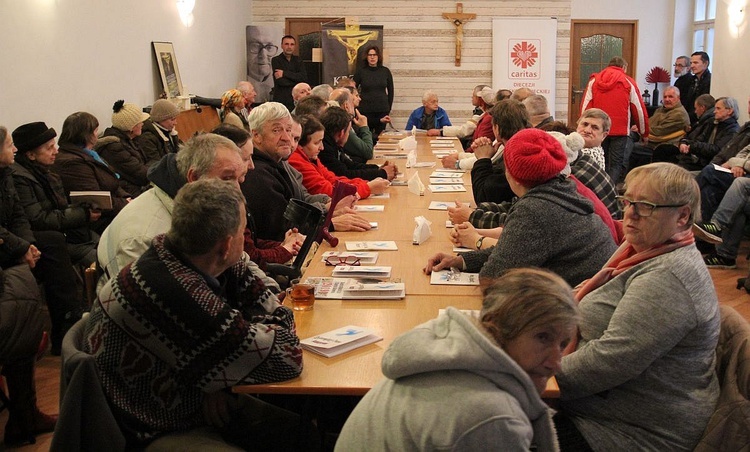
x=315 y=176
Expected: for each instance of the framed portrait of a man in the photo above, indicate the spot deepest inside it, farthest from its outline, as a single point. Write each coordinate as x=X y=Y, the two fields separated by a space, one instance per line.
x=167 y=64
x=263 y=43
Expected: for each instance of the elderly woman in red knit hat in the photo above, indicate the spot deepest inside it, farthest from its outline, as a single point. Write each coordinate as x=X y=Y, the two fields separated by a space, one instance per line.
x=550 y=226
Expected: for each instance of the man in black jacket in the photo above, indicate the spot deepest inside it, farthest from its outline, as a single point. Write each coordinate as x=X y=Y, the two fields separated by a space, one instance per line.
x=270 y=186
x=288 y=70
x=701 y=83
x=337 y=123
x=488 y=180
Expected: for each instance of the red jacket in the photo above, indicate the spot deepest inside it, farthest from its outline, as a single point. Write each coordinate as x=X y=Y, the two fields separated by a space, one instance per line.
x=484 y=128
x=617 y=94
x=318 y=179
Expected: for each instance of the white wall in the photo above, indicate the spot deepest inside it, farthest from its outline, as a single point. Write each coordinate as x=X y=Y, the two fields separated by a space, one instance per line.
x=730 y=63
x=62 y=56
x=682 y=39
x=655 y=29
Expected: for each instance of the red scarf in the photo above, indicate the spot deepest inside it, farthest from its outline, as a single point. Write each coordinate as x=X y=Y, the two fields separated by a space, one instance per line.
x=624 y=258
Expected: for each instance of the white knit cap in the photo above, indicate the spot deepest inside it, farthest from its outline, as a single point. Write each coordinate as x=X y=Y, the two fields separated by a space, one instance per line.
x=126 y=116
x=572 y=145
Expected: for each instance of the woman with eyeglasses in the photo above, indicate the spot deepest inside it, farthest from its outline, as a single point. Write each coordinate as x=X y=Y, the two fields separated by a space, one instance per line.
x=642 y=374
x=375 y=84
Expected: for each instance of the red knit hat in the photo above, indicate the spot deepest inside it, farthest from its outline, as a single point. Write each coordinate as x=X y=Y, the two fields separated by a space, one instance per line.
x=533 y=157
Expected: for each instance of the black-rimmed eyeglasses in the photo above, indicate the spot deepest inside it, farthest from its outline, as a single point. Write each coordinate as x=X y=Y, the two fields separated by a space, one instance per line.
x=256 y=47
x=642 y=208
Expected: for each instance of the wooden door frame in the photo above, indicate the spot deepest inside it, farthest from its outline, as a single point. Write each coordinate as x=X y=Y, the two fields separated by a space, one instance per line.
x=632 y=65
x=314 y=70
x=319 y=20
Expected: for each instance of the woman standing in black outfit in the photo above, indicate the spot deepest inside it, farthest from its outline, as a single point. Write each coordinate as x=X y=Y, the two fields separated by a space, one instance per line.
x=375 y=84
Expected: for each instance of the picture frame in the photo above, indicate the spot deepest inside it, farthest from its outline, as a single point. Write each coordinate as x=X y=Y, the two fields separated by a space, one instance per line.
x=166 y=61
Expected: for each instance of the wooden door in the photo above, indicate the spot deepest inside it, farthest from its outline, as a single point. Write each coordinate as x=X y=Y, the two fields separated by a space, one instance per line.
x=307 y=31
x=592 y=44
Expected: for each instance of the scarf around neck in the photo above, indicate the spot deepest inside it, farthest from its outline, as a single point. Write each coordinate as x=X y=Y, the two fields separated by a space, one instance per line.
x=623 y=259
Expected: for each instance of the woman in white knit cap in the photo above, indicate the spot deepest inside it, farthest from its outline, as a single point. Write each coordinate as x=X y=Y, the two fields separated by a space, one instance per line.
x=118 y=147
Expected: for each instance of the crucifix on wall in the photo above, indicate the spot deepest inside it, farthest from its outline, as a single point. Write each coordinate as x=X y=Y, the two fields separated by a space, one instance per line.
x=352 y=38
x=459 y=18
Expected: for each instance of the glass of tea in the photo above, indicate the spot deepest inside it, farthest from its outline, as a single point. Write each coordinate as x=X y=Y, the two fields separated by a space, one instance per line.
x=301 y=294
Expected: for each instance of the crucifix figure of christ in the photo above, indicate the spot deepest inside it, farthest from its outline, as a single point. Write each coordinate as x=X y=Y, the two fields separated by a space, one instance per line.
x=352 y=38
x=459 y=18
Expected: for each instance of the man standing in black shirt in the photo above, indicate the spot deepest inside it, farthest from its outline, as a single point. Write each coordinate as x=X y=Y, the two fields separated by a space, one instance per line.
x=288 y=70
x=701 y=83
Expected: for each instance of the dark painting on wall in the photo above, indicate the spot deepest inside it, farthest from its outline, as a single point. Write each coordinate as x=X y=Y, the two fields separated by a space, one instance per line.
x=344 y=48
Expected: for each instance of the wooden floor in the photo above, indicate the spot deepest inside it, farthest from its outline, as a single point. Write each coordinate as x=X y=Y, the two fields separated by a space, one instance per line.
x=48 y=369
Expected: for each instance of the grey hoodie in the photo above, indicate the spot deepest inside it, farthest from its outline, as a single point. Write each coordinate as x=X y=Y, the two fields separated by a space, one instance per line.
x=449 y=387
x=552 y=227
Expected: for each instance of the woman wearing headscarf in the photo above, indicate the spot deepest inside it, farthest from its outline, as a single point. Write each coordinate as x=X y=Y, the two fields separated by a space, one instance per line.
x=232 y=103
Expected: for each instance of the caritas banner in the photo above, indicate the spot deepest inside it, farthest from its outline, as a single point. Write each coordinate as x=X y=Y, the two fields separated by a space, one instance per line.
x=523 y=55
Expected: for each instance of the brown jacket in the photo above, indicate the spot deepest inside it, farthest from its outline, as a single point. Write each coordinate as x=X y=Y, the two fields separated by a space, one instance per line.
x=729 y=427
x=79 y=171
x=126 y=158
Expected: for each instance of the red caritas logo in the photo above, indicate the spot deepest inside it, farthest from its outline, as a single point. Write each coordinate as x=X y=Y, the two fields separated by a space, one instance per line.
x=524 y=54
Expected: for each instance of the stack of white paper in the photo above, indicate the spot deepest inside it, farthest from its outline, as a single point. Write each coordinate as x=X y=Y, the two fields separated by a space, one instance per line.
x=443 y=205
x=385 y=245
x=454 y=278
x=352 y=289
x=446 y=180
x=384 y=290
x=457 y=174
x=342 y=340
x=369 y=208
x=362 y=271
x=454 y=188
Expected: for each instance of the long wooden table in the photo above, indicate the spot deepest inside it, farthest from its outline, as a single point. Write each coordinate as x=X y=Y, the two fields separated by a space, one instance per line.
x=355 y=372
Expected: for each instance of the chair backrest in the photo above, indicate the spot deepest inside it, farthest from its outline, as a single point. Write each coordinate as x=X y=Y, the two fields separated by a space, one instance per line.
x=729 y=426
x=340 y=191
x=86 y=421
x=308 y=219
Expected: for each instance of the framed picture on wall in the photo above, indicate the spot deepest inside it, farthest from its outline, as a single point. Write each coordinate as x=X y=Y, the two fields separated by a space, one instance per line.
x=167 y=63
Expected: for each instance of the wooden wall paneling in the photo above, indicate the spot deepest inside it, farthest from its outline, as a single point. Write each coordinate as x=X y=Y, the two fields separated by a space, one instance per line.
x=420 y=45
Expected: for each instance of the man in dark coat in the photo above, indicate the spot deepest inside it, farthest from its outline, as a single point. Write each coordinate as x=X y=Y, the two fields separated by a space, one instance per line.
x=288 y=70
